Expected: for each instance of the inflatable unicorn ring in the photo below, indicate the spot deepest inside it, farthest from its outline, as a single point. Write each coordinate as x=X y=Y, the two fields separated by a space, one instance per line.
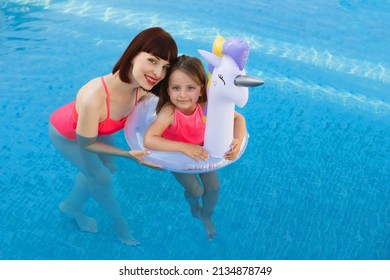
x=228 y=86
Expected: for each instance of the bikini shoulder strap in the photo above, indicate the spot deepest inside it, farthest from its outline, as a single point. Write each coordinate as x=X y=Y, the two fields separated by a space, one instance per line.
x=108 y=96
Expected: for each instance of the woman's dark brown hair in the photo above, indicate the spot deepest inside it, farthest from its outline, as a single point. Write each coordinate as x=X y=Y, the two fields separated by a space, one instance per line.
x=155 y=41
x=192 y=67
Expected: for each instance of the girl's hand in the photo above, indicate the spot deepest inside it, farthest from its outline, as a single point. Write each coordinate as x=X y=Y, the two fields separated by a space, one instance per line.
x=234 y=150
x=138 y=157
x=195 y=152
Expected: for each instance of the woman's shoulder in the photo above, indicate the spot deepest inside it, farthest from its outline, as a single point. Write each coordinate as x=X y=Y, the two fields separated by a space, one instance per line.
x=91 y=94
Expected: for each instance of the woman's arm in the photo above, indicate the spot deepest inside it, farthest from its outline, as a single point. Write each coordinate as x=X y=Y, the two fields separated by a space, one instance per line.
x=89 y=108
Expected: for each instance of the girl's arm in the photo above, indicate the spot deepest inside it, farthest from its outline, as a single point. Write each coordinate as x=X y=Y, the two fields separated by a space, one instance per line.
x=239 y=134
x=153 y=139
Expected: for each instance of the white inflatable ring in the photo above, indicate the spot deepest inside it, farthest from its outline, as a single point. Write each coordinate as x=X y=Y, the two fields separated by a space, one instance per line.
x=135 y=127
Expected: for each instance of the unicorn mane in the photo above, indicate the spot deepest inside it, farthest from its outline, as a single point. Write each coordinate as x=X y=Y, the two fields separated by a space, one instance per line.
x=217 y=50
x=238 y=49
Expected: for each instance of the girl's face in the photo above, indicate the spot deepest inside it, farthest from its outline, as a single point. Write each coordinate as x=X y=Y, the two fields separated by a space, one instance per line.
x=148 y=70
x=183 y=91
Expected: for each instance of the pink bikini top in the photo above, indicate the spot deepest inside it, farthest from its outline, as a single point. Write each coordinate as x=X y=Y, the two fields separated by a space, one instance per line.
x=187 y=128
x=65 y=119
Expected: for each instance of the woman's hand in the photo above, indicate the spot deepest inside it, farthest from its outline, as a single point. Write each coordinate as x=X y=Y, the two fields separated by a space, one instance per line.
x=138 y=157
x=195 y=152
x=234 y=150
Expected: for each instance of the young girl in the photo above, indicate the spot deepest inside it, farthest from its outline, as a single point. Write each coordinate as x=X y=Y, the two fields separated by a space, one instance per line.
x=179 y=127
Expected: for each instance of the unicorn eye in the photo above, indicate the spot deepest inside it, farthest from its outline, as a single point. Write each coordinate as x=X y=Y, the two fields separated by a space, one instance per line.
x=221 y=77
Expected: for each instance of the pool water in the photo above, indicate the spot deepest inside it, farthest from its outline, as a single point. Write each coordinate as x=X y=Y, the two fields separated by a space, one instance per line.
x=314 y=182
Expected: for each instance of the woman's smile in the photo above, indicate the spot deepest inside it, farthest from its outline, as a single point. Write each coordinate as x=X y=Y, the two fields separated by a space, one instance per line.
x=151 y=81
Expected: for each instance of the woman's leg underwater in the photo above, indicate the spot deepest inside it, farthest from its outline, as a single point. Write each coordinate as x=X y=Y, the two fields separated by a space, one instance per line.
x=73 y=205
x=100 y=186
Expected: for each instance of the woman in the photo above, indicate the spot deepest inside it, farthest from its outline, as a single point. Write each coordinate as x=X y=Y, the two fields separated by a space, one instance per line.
x=81 y=130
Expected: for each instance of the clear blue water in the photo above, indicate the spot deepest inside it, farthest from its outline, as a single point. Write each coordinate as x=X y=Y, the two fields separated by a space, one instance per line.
x=314 y=182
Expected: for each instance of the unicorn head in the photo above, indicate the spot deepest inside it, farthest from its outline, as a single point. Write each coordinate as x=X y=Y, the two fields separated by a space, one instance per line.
x=228 y=86
x=228 y=79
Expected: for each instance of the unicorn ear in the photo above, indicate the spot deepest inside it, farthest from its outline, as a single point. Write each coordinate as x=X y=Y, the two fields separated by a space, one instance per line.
x=210 y=57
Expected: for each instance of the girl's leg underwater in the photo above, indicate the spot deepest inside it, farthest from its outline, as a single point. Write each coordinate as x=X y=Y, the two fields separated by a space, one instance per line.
x=209 y=201
x=193 y=190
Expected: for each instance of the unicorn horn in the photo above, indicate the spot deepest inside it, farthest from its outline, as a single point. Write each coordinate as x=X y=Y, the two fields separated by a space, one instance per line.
x=247 y=81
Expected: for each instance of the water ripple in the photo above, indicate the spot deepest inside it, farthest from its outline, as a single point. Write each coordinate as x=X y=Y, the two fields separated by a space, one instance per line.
x=332 y=94
x=189 y=31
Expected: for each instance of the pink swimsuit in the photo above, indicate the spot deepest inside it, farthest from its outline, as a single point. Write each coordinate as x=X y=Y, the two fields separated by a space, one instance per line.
x=187 y=128
x=65 y=119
